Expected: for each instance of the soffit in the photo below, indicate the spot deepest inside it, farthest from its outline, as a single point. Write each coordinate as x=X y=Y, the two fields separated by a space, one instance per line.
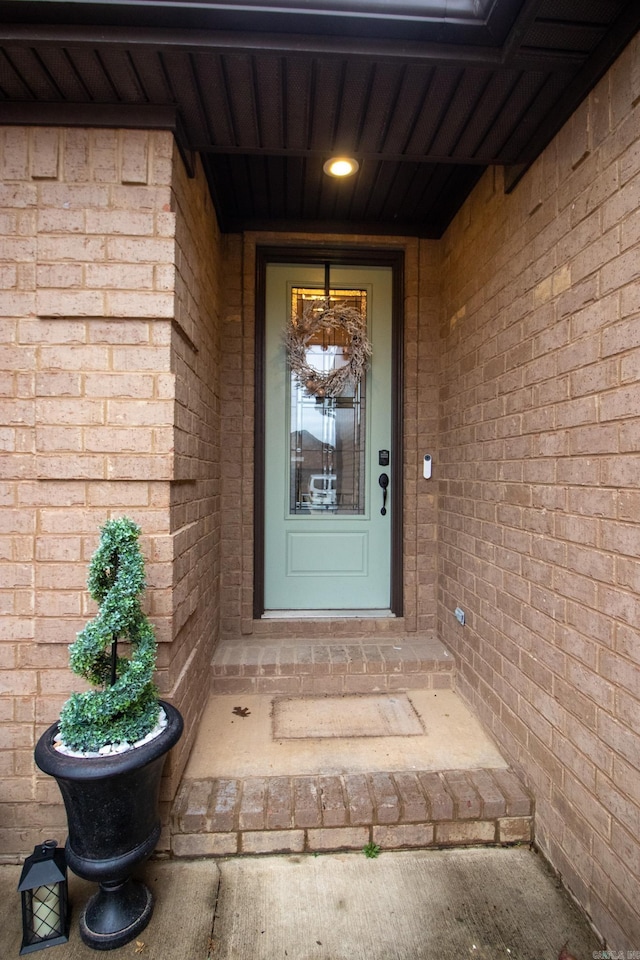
x=425 y=99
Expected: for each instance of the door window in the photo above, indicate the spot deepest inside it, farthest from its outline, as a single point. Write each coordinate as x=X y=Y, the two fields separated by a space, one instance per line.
x=327 y=434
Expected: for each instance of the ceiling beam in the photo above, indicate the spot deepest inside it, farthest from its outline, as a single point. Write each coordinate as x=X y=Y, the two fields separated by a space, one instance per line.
x=146 y=116
x=281 y=44
x=427 y=231
x=379 y=157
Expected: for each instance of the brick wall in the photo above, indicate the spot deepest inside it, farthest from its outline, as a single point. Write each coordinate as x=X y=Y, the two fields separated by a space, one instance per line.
x=540 y=486
x=100 y=412
x=236 y=459
x=195 y=492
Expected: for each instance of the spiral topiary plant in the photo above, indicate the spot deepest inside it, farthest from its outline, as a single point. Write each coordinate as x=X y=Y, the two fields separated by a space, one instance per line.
x=126 y=708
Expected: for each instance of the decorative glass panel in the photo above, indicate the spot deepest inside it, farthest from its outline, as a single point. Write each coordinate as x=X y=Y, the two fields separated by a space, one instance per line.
x=327 y=434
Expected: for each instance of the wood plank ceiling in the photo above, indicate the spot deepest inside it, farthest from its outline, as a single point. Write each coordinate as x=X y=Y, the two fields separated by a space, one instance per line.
x=424 y=94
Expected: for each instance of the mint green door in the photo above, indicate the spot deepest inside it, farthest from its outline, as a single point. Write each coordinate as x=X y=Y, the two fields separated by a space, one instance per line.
x=327 y=541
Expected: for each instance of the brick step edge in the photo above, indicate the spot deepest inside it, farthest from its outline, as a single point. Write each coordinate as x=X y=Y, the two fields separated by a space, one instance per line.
x=327 y=667
x=221 y=817
x=327 y=659
x=500 y=832
x=333 y=685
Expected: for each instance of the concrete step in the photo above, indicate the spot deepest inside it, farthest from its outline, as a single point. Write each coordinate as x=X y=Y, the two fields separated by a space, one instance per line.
x=314 y=814
x=253 y=809
x=337 y=667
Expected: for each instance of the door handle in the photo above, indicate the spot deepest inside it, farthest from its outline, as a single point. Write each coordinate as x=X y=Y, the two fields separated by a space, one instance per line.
x=383 y=480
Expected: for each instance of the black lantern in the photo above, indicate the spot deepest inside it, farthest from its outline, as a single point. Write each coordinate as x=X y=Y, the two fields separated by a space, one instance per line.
x=45 y=904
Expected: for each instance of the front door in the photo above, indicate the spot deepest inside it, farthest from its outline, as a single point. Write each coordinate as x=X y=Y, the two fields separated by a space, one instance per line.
x=327 y=459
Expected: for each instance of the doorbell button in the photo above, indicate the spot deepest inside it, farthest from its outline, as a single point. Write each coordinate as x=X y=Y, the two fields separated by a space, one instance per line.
x=426 y=468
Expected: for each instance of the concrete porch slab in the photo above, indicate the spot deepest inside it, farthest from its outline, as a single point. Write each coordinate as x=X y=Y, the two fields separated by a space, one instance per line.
x=229 y=745
x=245 y=791
x=252 y=786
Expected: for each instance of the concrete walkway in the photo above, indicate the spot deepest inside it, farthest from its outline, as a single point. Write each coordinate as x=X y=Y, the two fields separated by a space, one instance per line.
x=417 y=905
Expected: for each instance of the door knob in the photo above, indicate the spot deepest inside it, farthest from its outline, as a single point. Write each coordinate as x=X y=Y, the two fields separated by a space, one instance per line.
x=383 y=480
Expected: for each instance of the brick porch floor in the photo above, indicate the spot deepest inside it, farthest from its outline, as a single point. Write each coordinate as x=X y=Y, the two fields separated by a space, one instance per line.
x=397 y=809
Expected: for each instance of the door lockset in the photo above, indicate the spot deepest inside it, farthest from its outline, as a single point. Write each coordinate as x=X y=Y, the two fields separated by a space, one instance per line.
x=383 y=480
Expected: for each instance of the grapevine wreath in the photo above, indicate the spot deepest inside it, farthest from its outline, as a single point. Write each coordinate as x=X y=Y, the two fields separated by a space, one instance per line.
x=318 y=316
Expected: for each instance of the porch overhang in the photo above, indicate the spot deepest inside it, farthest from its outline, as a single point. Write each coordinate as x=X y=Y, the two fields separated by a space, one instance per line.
x=425 y=95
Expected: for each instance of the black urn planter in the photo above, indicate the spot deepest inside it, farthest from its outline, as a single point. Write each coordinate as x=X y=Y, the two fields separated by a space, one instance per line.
x=114 y=825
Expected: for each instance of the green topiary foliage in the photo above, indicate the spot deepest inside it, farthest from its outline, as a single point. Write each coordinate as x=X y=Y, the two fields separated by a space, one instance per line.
x=128 y=709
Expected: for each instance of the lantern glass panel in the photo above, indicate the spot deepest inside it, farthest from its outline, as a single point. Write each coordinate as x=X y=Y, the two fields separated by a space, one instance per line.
x=44 y=914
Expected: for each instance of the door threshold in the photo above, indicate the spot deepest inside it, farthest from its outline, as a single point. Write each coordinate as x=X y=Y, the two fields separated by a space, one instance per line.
x=327 y=614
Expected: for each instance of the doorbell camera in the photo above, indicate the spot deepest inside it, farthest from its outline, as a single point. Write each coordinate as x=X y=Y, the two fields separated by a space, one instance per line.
x=426 y=468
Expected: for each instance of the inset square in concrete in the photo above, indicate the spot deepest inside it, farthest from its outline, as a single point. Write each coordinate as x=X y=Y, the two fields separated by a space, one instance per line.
x=296 y=718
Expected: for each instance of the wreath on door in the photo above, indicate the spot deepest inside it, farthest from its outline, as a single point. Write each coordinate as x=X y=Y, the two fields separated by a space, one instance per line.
x=317 y=317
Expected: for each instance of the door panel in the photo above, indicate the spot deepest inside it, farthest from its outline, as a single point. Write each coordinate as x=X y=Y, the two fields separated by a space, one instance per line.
x=327 y=544
x=322 y=554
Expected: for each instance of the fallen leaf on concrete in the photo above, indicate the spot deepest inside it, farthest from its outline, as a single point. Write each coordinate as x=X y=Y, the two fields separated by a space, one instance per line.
x=241 y=711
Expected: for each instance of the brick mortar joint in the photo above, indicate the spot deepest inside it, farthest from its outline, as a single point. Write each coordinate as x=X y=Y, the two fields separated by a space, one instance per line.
x=439 y=839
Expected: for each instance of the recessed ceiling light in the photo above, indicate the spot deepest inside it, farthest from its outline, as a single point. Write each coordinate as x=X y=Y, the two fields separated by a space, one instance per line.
x=341 y=166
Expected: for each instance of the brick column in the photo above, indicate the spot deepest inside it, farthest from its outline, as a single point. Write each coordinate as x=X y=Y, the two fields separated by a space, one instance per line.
x=94 y=319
